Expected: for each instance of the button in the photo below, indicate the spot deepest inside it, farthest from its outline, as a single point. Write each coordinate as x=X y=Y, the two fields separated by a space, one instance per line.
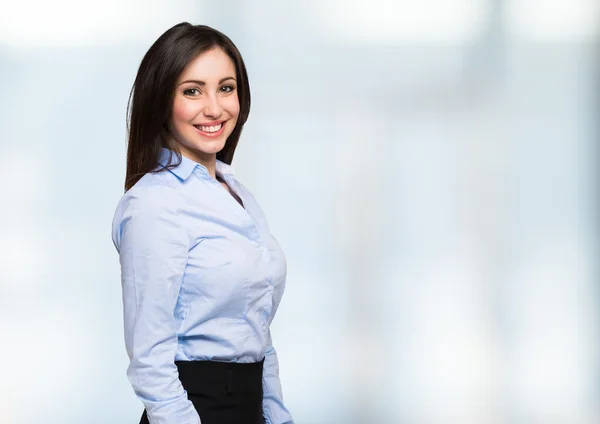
x=270 y=288
x=264 y=326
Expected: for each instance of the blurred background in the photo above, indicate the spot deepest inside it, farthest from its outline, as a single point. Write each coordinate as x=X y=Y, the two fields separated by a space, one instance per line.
x=430 y=169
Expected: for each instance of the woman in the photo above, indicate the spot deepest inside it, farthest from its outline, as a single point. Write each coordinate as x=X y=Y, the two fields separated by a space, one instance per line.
x=202 y=276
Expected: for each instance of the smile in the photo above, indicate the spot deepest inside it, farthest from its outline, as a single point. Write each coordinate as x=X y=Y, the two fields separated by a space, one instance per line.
x=211 y=130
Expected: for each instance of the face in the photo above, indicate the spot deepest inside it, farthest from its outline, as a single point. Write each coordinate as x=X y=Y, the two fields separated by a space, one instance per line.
x=205 y=106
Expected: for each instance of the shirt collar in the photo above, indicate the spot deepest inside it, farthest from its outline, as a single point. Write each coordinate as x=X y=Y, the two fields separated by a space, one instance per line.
x=224 y=169
x=187 y=166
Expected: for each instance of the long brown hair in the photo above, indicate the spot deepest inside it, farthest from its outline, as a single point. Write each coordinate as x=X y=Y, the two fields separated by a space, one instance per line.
x=151 y=97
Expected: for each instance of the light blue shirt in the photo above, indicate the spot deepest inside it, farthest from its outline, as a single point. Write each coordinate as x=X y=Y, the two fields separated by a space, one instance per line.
x=202 y=278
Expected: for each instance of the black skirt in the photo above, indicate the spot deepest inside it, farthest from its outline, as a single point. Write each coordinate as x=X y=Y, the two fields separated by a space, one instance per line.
x=223 y=392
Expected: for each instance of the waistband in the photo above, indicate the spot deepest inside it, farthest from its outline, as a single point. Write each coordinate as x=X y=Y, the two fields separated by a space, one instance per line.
x=200 y=377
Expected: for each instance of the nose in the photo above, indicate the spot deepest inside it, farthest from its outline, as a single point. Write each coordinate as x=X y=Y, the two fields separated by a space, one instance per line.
x=212 y=107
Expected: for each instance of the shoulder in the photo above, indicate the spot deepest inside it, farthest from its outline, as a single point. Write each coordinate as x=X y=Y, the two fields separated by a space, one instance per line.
x=244 y=190
x=152 y=192
x=247 y=194
x=252 y=203
x=151 y=198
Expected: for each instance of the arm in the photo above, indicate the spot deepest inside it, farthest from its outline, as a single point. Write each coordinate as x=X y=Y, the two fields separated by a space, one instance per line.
x=274 y=410
x=153 y=251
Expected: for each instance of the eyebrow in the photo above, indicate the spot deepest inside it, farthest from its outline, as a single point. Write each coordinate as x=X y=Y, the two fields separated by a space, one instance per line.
x=221 y=81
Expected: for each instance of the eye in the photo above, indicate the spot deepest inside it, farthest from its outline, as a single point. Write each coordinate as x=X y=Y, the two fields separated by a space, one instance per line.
x=227 y=88
x=191 y=92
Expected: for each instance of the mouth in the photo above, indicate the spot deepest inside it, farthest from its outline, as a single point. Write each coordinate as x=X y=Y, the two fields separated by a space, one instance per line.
x=212 y=129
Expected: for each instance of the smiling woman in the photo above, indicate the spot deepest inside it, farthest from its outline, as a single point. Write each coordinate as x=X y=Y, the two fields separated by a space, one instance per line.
x=202 y=276
x=192 y=76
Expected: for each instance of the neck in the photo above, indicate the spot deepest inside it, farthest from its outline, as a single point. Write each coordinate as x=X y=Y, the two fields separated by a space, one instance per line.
x=208 y=160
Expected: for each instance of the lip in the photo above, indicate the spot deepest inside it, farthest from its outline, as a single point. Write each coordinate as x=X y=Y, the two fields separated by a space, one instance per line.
x=209 y=124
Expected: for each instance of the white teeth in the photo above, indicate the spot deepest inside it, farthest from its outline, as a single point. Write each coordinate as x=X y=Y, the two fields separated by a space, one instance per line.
x=210 y=129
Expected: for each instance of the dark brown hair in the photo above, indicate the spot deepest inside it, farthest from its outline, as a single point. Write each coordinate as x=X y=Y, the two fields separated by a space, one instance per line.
x=151 y=97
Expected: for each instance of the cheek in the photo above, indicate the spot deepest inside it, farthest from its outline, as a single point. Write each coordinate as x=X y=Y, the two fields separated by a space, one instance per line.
x=233 y=106
x=183 y=112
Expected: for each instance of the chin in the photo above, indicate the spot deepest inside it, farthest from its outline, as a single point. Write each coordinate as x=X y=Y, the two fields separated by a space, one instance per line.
x=210 y=147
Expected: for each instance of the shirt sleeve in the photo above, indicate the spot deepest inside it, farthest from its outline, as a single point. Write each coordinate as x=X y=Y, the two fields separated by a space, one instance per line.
x=274 y=410
x=153 y=252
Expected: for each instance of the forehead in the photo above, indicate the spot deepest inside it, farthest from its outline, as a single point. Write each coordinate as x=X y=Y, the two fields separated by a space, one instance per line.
x=213 y=64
